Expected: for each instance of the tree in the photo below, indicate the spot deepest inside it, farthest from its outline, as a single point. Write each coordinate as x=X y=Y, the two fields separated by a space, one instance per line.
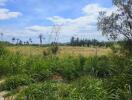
x=119 y=23
x=1 y=36
x=17 y=40
x=27 y=42
x=20 y=42
x=41 y=38
x=30 y=40
x=13 y=39
x=72 y=41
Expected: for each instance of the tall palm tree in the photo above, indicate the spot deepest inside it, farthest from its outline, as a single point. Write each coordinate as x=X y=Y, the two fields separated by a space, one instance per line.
x=13 y=39
x=41 y=38
x=1 y=34
x=17 y=41
x=30 y=40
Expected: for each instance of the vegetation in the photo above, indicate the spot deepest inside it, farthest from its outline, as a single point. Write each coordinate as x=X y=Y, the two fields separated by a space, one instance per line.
x=48 y=76
x=88 y=43
x=63 y=51
x=119 y=23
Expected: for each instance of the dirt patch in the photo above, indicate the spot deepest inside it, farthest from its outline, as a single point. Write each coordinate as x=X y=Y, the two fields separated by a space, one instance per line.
x=57 y=77
x=2 y=94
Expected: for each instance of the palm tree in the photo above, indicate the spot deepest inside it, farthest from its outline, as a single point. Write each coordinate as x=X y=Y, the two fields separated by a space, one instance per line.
x=17 y=41
x=41 y=39
x=13 y=39
x=1 y=36
x=20 y=42
x=30 y=40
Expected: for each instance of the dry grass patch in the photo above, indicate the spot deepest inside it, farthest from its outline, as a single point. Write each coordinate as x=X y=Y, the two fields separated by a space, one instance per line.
x=63 y=50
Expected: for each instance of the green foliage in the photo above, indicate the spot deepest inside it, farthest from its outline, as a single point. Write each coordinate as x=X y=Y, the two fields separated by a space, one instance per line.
x=37 y=68
x=91 y=89
x=11 y=64
x=92 y=78
x=54 y=49
x=48 y=91
x=98 y=66
x=69 y=68
x=3 y=51
x=86 y=88
x=120 y=83
x=14 y=82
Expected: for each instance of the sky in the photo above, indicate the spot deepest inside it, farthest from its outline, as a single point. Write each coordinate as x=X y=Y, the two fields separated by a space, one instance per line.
x=26 y=19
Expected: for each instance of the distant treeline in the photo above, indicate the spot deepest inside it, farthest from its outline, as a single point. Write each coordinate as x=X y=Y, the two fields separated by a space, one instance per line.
x=86 y=42
x=73 y=42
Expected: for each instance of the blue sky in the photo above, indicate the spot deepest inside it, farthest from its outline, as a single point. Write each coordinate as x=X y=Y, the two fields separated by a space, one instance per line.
x=29 y=18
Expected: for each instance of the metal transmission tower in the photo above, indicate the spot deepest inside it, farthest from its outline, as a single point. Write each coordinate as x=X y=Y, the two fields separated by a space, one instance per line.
x=54 y=35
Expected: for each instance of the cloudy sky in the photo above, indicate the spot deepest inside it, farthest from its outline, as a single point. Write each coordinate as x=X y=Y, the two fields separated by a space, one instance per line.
x=26 y=19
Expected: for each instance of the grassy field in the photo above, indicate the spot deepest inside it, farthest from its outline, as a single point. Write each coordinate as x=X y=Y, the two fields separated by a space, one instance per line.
x=63 y=51
x=67 y=76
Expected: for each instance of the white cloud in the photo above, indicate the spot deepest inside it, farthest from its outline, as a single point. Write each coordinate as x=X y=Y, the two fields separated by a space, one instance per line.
x=83 y=26
x=40 y=29
x=94 y=9
x=7 y=14
x=59 y=20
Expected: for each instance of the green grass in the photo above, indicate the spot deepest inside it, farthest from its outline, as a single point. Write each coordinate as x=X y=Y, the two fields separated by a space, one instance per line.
x=53 y=77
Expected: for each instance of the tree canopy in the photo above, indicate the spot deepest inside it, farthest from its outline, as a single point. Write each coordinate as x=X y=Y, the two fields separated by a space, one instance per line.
x=119 y=23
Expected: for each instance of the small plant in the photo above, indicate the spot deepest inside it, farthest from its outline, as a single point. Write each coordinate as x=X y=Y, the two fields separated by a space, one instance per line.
x=46 y=53
x=54 y=49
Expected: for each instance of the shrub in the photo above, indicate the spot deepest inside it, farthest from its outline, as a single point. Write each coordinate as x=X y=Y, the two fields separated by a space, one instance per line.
x=91 y=89
x=69 y=68
x=120 y=82
x=3 y=51
x=86 y=88
x=11 y=64
x=49 y=91
x=54 y=49
x=98 y=66
x=38 y=69
x=14 y=82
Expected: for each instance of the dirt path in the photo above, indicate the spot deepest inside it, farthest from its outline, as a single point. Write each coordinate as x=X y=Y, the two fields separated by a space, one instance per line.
x=2 y=95
x=3 y=92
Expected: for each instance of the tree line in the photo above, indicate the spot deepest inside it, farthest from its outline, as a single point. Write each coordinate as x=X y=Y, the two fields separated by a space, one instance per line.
x=87 y=42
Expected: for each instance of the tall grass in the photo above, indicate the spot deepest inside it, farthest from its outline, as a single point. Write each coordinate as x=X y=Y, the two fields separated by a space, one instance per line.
x=82 y=78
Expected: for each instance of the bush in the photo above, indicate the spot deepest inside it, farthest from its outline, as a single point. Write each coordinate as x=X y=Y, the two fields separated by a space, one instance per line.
x=11 y=64
x=91 y=89
x=120 y=82
x=85 y=88
x=14 y=82
x=54 y=49
x=69 y=68
x=49 y=91
x=38 y=69
x=98 y=66
x=3 y=51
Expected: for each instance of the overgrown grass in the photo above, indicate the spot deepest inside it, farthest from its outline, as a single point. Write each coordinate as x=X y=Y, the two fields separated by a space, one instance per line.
x=66 y=78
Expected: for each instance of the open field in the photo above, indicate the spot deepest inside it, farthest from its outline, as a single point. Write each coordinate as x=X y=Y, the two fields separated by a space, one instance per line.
x=67 y=76
x=63 y=50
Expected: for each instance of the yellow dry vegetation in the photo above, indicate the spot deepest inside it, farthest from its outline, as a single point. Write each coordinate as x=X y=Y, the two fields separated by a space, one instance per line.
x=63 y=50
